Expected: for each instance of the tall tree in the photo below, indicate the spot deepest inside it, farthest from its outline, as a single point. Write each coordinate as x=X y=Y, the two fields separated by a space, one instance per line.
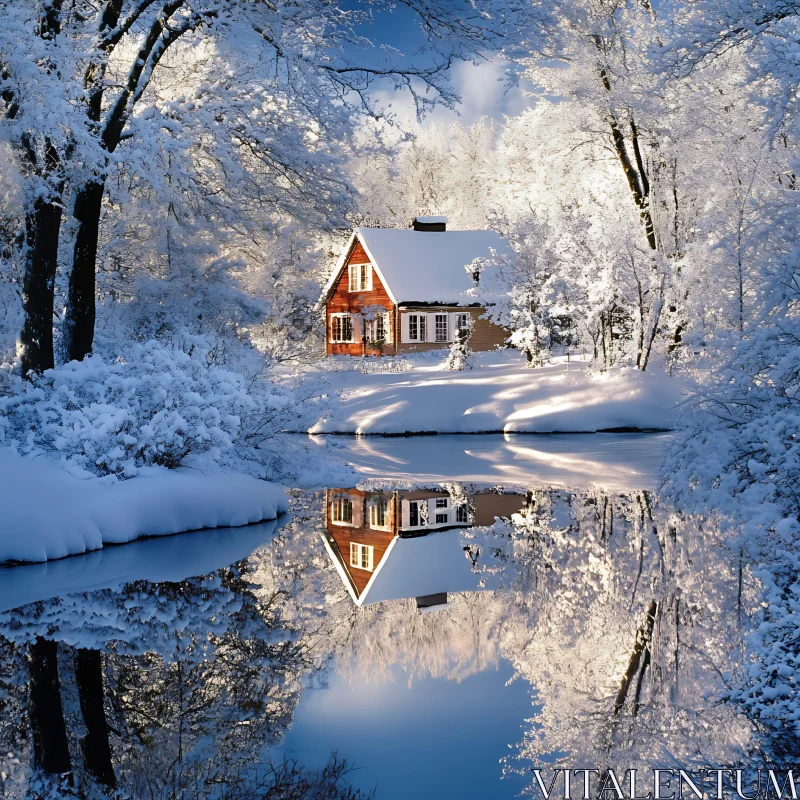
x=40 y=155
x=275 y=79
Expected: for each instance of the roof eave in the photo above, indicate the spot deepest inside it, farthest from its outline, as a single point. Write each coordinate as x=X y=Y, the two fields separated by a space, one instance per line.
x=437 y=304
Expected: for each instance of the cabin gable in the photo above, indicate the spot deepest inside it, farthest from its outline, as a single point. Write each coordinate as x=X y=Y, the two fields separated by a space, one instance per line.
x=358 y=537
x=347 y=298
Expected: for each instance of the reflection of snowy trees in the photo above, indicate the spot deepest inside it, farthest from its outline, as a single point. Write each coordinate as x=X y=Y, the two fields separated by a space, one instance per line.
x=625 y=622
x=195 y=679
x=624 y=619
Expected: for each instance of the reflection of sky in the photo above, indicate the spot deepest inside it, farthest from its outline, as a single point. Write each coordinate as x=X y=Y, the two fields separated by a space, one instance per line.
x=433 y=739
x=481 y=91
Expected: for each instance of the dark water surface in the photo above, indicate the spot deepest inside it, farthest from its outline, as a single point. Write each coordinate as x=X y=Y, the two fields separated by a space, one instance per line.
x=432 y=634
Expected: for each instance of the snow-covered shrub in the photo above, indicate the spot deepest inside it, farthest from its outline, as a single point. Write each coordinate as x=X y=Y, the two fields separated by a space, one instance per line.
x=460 y=356
x=154 y=406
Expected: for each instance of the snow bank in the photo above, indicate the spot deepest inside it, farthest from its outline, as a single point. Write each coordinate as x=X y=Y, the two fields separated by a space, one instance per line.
x=165 y=558
x=48 y=513
x=501 y=395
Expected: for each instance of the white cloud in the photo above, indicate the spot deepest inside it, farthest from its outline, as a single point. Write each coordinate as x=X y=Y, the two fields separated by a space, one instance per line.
x=483 y=91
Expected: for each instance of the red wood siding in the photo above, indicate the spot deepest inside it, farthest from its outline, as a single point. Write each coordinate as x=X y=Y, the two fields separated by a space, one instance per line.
x=343 y=300
x=342 y=535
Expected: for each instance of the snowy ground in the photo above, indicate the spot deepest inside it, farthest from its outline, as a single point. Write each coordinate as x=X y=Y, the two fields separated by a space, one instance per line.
x=500 y=394
x=47 y=513
x=616 y=461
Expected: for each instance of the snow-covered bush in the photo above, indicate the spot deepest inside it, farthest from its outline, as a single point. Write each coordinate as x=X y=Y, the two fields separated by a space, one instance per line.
x=154 y=406
x=460 y=356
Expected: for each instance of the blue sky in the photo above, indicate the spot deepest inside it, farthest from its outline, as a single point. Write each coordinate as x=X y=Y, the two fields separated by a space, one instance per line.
x=481 y=88
x=423 y=738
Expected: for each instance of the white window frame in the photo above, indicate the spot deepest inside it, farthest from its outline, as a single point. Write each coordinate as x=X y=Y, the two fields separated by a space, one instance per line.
x=372 y=327
x=437 y=328
x=359 y=278
x=419 y=513
x=357 y=553
x=462 y=511
x=349 y=316
x=372 y=513
x=421 y=321
x=441 y=502
x=456 y=320
x=336 y=503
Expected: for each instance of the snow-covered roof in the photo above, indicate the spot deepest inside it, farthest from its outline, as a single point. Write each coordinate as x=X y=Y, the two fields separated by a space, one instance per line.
x=427 y=267
x=418 y=567
x=424 y=266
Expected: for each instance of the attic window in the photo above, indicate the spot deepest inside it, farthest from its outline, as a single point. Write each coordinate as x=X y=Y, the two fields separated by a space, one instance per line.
x=360 y=277
x=361 y=556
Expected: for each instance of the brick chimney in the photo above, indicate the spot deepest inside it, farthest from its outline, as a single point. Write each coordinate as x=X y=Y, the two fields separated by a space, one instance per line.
x=430 y=223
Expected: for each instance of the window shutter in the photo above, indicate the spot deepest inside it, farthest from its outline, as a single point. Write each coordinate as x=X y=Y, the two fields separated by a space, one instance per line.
x=403 y=327
x=430 y=328
x=357 y=325
x=404 y=515
x=387 y=328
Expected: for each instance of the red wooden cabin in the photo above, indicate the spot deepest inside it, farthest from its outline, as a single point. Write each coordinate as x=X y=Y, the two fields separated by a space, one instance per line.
x=396 y=291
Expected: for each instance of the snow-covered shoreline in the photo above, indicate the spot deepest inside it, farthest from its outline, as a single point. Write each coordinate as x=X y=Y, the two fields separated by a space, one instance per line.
x=46 y=513
x=501 y=395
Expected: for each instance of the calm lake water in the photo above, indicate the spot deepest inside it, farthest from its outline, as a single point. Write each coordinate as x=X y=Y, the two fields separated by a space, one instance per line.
x=474 y=607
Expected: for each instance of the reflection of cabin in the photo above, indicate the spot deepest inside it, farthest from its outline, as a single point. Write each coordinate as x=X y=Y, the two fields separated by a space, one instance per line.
x=396 y=290
x=378 y=541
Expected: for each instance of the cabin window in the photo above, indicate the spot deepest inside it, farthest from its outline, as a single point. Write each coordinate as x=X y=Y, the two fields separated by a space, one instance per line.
x=462 y=514
x=416 y=327
x=462 y=324
x=379 y=513
x=342 y=511
x=413 y=515
x=361 y=556
x=377 y=328
x=341 y=328
x=441 y=502
x=360 y=277
x=442 y=519
x=441 y=327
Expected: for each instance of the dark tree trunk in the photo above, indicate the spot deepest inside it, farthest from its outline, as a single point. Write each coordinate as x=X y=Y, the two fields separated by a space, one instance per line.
x=50 y=747
x=80 y=315
x=42 y=225
x=95 y=745
x=640 y=656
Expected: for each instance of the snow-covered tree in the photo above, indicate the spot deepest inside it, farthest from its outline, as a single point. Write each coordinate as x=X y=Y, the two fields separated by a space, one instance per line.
x=261 y=96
